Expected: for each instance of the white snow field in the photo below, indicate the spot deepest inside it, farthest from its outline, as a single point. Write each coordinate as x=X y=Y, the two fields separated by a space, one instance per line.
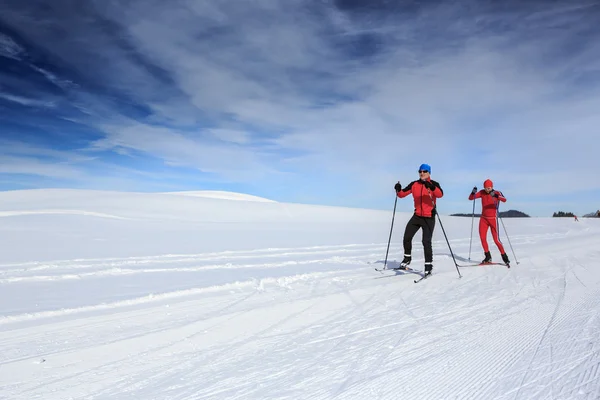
x=107 y=295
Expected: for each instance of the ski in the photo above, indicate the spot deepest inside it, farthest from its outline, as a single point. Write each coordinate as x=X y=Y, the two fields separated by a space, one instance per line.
x=397 y=269
x=407 y=269
x=425 y=276
x=483 y=264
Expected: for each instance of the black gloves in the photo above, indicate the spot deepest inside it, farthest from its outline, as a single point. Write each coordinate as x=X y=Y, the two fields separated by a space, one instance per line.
x=398 y=187
x=429 y=185
x=474 y=190
x=493 y=193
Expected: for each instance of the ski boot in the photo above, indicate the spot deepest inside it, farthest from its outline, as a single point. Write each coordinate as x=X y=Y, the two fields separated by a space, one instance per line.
x=506 y=260
x=405 y=262
x=428 y=268
x=487 y=259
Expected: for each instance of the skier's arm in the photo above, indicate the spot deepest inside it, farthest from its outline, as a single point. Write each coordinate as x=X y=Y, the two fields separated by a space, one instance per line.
x=437 y=192
x=500 y=196
x=474 y=194
x=406 y=191
x=477 y=195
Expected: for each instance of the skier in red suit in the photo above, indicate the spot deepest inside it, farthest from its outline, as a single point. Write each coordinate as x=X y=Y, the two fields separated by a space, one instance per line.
x=425 y=192
x=490 y=199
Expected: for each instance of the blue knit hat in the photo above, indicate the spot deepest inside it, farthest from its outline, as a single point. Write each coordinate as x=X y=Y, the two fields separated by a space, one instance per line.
x=425 y=167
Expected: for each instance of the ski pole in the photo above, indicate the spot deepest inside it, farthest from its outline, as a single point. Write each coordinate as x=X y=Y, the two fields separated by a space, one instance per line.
x=506 y=233
x=391 y=229
x=472 y=220
x=444 y=231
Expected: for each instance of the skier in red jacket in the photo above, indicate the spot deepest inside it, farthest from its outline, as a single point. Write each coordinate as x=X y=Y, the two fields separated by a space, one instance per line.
x=490 y=199
x=425 y=192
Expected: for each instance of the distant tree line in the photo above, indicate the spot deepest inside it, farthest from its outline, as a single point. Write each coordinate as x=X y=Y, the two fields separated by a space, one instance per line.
x=595 y=214
x=519 y=214
x=563 y=214
x=503 y=214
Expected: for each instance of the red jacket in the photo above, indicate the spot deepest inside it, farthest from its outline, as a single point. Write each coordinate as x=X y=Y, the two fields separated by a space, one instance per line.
x=489 y=204
x=424 y=204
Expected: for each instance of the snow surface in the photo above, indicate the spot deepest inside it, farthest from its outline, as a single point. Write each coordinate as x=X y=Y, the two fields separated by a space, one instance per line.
x=107 y=295
x=215 y=194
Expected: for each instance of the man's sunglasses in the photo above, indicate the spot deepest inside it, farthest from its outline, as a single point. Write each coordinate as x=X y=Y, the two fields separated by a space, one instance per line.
x=422 y=171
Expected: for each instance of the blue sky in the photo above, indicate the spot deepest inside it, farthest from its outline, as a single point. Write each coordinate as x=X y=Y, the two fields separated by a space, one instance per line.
x=320 y=102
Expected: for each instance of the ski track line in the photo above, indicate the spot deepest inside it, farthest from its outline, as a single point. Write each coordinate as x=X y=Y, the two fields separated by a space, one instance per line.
x=174 y=366
x=475 y=363
x=82 y=324
x=351 y=382
x=402 y=384
x=281 y=282
x=193 y=258
x=118 y=266
x=569 y=368
x=129 y=272
x=325 y=328
x=111 y=364
x=509 y=351
x=407 y=311
x=351 y=310
x=507 y=345
x=556 y=308
x=165 y=296
x=569 y=351
x=420 y=353
x=170 y=258
x=357 y=359
x=107 y=368
x=342 y=318
x=471 y=383
x=564 y=316
x=113 y=271
x=223 y=351
x=553 y=375
x=348 y=359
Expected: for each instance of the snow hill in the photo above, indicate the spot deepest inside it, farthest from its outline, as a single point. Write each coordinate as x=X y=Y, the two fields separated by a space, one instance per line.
x=215 y=194
x=107 y=295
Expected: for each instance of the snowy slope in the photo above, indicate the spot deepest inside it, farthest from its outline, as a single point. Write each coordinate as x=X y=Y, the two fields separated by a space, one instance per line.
x=107 y=295
x=216 y=194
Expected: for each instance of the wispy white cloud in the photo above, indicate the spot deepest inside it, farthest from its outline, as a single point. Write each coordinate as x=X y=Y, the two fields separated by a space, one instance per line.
x=9 y=48
x=177 y=148
x=25 y=101
x=15 y=165
x=19 y=148
x=61 y=83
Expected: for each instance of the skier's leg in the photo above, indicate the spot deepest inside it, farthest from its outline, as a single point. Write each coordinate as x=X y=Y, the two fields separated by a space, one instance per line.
x=428 y=227
x=494 y=229
x=483 y=228
x=409 y=232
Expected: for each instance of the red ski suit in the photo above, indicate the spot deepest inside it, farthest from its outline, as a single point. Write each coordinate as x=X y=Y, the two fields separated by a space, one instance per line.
x=424 y=205
x=489 y=211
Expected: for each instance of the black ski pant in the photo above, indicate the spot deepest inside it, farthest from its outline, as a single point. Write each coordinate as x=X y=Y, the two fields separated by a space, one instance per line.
x=413 y=225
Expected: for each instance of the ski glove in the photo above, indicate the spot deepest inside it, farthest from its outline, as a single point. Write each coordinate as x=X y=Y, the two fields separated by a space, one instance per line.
x=398 y=187
x=429 y=185
x=474 y=190
x=493 y=193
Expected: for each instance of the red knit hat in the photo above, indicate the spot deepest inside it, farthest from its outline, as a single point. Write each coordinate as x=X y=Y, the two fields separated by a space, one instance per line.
x=488 y=183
